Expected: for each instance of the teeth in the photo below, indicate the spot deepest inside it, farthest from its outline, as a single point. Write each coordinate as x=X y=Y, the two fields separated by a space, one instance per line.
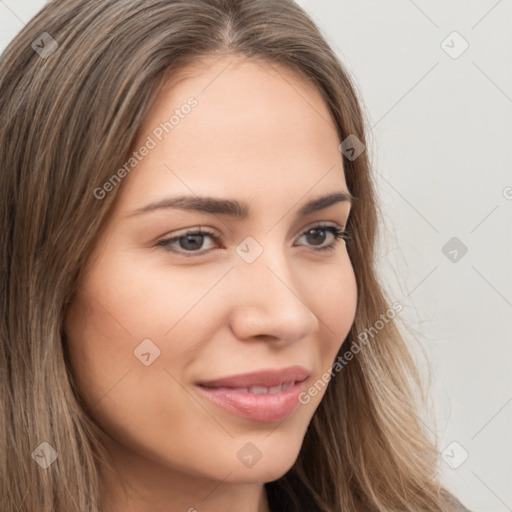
x=264 y=390
x=261 y=390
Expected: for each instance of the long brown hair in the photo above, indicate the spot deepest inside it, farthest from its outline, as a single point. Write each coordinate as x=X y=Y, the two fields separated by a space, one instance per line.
x=75 y=85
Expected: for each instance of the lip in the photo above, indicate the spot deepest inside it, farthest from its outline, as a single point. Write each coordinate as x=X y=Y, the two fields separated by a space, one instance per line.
x=268 y=407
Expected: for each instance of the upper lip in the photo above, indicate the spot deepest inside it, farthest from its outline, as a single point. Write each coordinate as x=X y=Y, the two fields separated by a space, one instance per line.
x=268 y=378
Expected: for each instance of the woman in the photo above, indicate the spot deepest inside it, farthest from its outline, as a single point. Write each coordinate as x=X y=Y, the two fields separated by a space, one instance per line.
x=191 y=314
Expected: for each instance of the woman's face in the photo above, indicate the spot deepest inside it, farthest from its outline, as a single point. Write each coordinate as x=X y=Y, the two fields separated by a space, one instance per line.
x=157 y=313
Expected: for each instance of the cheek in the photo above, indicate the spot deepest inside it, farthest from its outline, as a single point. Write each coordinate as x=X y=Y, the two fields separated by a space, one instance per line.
x=129 y=334
x=137 y=404
x=98 y=345
x=335 y=305
x=336 y=308
x=148 y=297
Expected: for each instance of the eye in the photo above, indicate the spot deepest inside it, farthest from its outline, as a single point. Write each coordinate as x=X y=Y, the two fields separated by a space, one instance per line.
x=317 y=234
x=191 y=241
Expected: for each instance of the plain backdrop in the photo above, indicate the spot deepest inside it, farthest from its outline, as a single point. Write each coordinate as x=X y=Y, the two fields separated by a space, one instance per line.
x=435 y=79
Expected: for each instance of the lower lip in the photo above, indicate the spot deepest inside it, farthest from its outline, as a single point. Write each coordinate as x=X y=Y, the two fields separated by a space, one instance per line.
x=263 y=408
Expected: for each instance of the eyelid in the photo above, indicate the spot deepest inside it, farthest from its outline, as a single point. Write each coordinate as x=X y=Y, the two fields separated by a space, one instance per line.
x=201 y=230
x=194 y=229
x=322 y=223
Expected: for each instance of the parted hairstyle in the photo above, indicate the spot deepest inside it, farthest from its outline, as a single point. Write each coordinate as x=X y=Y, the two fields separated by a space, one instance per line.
x=68 y=120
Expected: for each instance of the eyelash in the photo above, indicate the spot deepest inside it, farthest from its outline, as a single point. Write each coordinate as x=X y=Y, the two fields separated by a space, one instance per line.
x=338 y=234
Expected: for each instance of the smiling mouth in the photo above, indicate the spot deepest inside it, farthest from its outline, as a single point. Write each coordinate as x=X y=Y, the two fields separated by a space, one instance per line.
x=257 y=390
x=265 y=396
x=270 y=379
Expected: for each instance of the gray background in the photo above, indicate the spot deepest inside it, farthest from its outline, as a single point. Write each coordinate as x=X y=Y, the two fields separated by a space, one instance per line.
x=440 y=141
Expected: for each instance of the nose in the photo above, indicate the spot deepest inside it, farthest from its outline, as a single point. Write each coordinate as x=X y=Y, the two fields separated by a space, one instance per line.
x=269 y=302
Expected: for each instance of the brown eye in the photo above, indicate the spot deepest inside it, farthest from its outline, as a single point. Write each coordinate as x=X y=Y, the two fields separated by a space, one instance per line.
x=189 y=242
x=317 y=235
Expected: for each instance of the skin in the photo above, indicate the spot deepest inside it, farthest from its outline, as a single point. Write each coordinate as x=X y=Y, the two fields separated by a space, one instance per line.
x=261 y=135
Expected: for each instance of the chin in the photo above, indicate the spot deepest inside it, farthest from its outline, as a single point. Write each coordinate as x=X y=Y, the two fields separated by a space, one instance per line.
x=264 y=457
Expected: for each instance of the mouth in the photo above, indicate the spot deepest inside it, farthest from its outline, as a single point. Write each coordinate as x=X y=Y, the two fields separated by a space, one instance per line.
x=258 y=390
x=264 y=396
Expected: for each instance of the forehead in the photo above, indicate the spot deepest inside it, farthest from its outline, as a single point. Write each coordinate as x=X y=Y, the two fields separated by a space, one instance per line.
x=255 y=127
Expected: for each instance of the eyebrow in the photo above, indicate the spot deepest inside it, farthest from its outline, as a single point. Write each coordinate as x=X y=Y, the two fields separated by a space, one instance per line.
x=234 y=208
